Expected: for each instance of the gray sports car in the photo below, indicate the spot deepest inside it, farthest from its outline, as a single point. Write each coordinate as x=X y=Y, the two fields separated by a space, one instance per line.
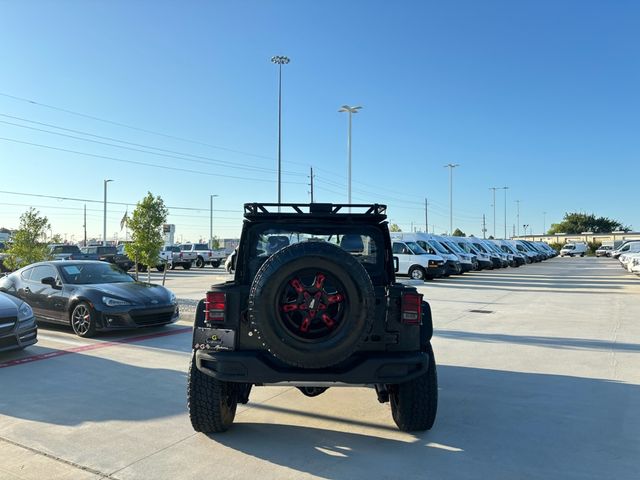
x=90 y=296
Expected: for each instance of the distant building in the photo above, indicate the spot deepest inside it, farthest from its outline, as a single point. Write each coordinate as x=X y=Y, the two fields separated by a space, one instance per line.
x=611 y=238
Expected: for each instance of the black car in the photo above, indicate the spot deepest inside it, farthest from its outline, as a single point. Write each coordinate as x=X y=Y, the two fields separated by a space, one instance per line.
x=17 y=325
x=90 y=296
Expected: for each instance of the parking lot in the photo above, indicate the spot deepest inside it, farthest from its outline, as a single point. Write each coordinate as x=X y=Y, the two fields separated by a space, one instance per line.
x=538 y=373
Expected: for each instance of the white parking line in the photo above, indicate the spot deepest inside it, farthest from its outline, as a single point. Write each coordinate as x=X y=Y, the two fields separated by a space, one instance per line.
x=59 y=339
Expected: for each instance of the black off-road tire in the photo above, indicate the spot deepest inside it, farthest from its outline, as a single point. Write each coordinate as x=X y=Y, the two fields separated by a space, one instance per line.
x=416 y=272
x=212 y=404
x=160 y=267
x=414 y=403
x=186 y=266
x=215 y=263
x=200 y=262
x=356 y=318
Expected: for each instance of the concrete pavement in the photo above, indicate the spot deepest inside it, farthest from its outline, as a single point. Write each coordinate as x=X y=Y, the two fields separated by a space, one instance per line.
x=538 y=372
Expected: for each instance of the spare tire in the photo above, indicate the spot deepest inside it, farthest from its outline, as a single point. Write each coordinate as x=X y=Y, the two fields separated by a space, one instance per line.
x=311 y=304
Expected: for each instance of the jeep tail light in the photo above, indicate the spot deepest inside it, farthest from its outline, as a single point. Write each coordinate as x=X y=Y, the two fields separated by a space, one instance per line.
x=181 y=255
x=214 y=306
x=411 y=309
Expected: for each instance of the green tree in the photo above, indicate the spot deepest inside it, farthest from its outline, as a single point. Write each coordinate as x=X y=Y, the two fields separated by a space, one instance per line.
x=573 y=223
x=394 y=227
x=57 y=238
x=145 y=224
x=26 y=247
x=458 y=233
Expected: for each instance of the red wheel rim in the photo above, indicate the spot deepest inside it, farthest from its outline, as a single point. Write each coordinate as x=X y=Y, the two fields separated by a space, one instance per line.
x=312 y=305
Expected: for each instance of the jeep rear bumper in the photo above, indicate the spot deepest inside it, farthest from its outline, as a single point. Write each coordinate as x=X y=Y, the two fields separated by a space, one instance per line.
x=256 y=367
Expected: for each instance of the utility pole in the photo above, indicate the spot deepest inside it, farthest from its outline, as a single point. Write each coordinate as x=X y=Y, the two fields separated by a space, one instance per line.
x=350 y=111
x=211 y=220
x=451 y=166
x=311 y=177
x=484 y=227
x=494 y=210
x=518 y=216
x=280 y=60
x=85 y=225
x=426 y=215
x=544 y=223
x=104 y=224
x=505 y=211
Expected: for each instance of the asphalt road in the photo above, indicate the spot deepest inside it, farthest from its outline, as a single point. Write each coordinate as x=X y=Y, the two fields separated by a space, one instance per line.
x=538 y=371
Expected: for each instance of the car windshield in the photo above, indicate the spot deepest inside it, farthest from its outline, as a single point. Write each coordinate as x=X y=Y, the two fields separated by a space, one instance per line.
x=65 y=249
x=93 y=273
x=173 y=249
x=569 y=247
x=452 y=246
x=439 y=248
x=415 y=248
x=480 y=247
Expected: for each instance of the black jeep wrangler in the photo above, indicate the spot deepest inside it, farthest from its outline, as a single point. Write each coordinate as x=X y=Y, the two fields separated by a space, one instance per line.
x=314 y=303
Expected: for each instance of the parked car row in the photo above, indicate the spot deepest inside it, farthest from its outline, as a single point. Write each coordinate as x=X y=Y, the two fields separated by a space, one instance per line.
x=423 y=256
x=87 y=295
x=628 y=254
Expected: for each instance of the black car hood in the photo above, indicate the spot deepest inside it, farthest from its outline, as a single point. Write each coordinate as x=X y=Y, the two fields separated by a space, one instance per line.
x=8 y=305
x=137 y=292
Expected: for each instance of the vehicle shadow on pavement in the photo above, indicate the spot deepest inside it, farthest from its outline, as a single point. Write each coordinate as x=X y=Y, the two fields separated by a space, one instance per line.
x=550 y=342
x=491 y=424
x=175 y=337
x=76 y=388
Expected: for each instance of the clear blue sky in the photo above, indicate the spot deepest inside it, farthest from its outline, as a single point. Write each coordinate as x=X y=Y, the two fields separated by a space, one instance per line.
x=540 y=96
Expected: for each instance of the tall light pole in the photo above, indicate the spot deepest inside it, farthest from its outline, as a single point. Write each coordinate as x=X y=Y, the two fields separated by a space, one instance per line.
x=494 y=209
x=280 y=60
x=518 y=216
x=505 y=211
x=544 y=223
x=451 y=166
x=351 y=111
x=211 y=220
x=104 y=223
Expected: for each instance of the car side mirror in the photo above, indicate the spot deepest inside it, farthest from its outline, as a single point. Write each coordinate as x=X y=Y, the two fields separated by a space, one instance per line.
x=396 y=264
x=50 y=281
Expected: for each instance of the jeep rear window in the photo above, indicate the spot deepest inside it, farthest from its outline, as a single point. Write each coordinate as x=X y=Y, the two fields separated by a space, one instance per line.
x=363 y=243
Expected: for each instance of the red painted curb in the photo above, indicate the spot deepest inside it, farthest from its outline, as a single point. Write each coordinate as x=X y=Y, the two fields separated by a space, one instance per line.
x=93 y=346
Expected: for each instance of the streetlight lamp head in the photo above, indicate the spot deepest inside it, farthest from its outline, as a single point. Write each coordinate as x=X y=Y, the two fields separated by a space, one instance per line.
x=347 y=108
x=280 y=59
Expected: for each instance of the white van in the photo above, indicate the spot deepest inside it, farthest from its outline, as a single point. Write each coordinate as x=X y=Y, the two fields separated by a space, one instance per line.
x=573 y=249
x=628 y=247
x=414 y=261
x=432 y=245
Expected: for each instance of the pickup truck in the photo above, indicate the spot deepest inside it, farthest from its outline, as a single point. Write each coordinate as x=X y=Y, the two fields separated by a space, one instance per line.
x=104 y=254
x=204 y=255
x=173 y=256
x=64 y=252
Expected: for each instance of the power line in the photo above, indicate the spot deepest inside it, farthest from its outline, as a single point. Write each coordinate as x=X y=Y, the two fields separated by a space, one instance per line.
x=136 y=162
x=124 y=125
x=74 y=199
x=169 y=154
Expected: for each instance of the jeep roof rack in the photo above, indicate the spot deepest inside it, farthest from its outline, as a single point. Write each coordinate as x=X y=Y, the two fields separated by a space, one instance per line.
x=370 y=212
